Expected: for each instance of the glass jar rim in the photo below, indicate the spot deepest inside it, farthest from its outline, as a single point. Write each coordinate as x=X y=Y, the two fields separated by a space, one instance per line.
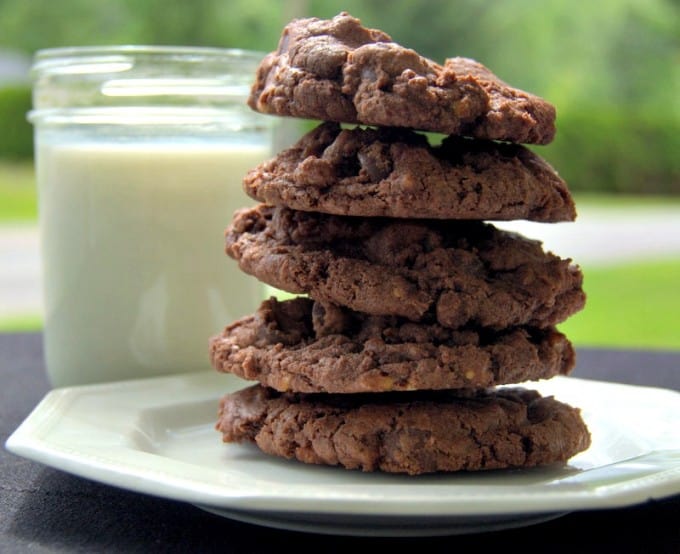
x=72 y=61
x=53 y=55
x=115 y=116
x=152 y=76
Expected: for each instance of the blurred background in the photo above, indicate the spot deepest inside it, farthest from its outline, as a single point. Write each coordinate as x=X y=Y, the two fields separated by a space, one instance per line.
x=612 y=69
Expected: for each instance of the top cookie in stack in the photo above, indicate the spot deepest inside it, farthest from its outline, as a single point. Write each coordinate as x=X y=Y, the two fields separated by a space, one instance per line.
x=337 y=70
x=416 y=307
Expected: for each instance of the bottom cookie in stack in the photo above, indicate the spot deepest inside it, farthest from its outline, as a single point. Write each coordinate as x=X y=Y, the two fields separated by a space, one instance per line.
x=340 y=387
x=411 y=432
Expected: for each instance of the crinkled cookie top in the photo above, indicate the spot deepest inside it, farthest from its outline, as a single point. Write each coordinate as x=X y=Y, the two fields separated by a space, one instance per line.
x=338 y=70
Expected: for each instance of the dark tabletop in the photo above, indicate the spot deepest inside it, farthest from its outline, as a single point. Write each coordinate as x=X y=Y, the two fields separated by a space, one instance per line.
x=46 y=510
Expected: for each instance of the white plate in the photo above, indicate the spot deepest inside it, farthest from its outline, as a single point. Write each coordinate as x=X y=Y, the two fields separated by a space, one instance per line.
x=157 y=436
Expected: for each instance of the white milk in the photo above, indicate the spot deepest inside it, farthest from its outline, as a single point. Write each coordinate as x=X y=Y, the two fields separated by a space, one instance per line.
x=136 y=278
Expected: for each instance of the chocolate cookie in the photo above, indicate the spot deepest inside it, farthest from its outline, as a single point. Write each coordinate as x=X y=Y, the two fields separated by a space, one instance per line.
x=414 y=433
x=513 y=114
x=337 y=70
x=455 y=272
x=395 y=173
x=304 y=346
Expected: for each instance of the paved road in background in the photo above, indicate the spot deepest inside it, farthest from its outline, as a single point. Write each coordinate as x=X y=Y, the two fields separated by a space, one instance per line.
x=600 y=237
x=20 y=278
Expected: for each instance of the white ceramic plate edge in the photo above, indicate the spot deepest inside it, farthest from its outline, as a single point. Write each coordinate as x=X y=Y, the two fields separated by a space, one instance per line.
x=655 y=474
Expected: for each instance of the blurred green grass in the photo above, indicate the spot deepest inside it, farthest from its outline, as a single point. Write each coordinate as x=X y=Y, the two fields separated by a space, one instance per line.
x=17 y=192
x=21 y=323
x=632 y=305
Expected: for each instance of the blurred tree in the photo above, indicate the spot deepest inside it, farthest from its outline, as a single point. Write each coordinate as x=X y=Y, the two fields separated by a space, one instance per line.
x=37 y=24
x=252 y=24
x=16 y=135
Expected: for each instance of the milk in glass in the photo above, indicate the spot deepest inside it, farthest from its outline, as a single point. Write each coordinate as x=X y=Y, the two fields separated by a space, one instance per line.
x=133 y=205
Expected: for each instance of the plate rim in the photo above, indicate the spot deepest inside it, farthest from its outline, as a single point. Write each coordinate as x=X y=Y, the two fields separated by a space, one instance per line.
x=26 y=442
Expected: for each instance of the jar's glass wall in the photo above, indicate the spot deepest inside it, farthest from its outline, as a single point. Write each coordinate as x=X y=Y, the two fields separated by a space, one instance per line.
x=134 y=196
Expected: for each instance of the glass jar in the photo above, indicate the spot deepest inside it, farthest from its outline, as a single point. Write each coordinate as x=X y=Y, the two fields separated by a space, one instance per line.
x=140 y=155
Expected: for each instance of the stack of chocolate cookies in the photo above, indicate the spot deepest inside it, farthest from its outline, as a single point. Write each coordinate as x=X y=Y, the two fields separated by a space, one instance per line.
x=414 y=311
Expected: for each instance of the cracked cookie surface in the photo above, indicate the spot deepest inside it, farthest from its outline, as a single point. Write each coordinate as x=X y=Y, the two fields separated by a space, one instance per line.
x=304 y=346
x=413 y=433
x=395 y=173
x=338 y=70
x=456 y=273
